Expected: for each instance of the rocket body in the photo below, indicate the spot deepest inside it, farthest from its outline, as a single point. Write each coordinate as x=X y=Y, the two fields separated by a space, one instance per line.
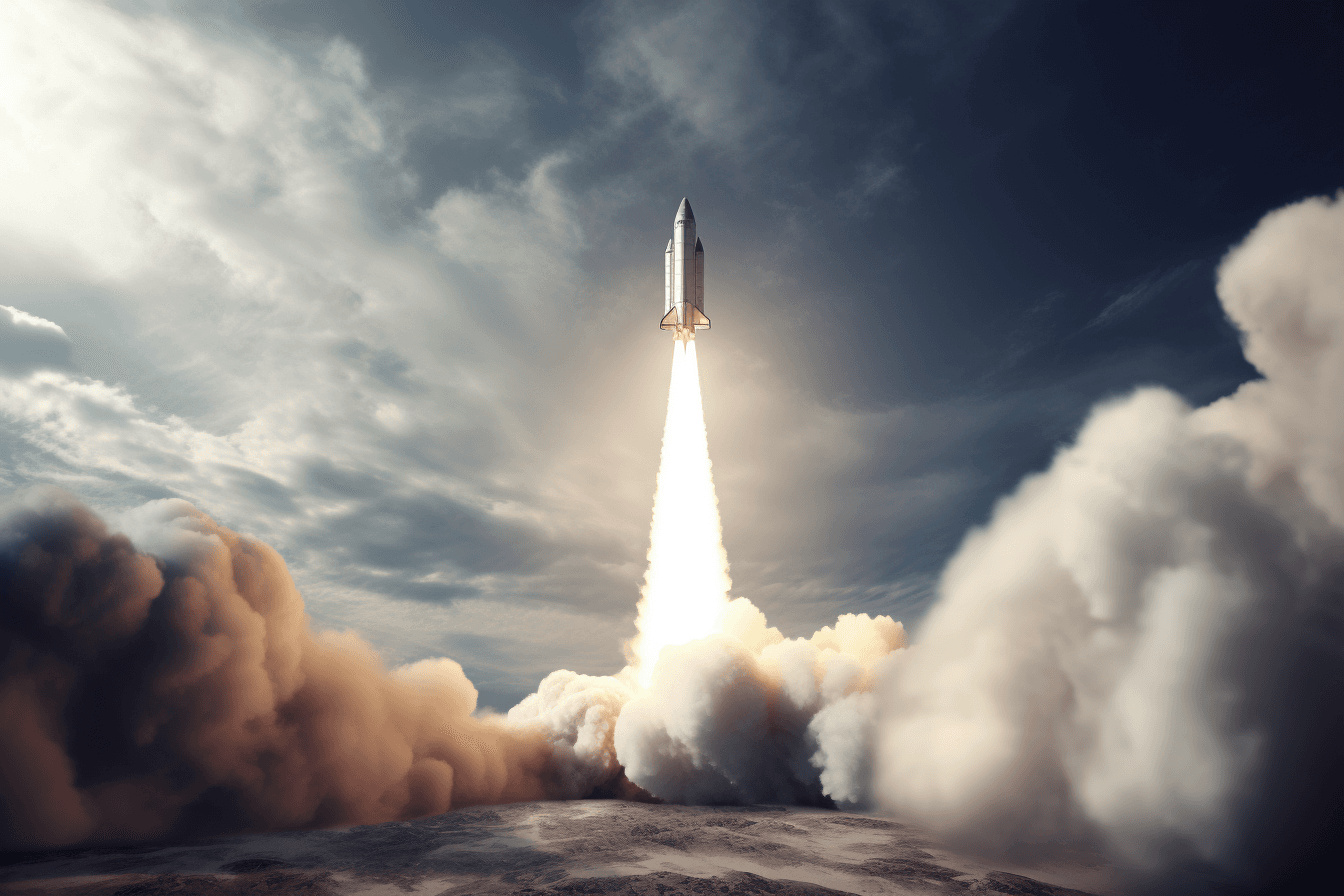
x=684 y=278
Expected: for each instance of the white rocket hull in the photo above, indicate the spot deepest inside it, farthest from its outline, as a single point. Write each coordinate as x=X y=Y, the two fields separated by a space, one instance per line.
x=684 y=278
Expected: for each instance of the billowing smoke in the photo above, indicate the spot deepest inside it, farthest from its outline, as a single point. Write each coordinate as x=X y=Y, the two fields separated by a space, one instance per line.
x=1145 y=645
x=578 y=714
x=146 y=698
x=740 y=716
x=747 y=716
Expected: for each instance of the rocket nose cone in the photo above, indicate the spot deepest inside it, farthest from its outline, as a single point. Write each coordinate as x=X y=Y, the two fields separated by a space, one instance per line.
x=684 y=210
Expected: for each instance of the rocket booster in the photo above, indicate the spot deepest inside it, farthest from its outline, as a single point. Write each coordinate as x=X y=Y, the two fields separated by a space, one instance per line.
x=684 y=278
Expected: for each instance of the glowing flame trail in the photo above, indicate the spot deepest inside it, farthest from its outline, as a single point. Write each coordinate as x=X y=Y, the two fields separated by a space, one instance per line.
x=686 y=587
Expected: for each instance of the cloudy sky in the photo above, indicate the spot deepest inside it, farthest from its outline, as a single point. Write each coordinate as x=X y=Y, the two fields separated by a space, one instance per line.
x=379 y=283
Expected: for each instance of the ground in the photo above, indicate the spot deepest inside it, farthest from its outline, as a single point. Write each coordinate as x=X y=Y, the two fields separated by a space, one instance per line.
x=592 y=846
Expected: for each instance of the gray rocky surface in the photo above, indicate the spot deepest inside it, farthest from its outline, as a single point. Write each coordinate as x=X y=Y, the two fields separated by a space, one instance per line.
x=583 y=847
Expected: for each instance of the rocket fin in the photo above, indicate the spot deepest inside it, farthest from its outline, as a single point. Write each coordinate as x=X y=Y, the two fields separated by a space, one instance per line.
x=669 y=321
x=698 y=319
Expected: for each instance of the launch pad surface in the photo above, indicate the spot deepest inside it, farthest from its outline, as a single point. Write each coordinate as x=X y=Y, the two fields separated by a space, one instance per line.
x=590 y=846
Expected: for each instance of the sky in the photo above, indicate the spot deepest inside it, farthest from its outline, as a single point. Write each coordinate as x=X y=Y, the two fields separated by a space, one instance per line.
x=378 y=284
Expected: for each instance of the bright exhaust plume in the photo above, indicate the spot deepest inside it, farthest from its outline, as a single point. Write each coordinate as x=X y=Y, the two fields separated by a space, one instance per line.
x=686 y=587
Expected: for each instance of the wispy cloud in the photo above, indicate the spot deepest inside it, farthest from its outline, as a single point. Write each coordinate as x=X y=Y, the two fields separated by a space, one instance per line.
x=700 y=61
x=1148 y=290
x=28 y=342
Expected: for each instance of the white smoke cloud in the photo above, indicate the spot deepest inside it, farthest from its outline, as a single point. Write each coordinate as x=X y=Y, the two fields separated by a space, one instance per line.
x=1142 y=646
x=748 y=716
x=741 y=716
x=578 y=714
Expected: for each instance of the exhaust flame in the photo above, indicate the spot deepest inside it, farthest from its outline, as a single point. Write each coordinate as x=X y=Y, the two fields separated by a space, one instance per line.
x=686 y=587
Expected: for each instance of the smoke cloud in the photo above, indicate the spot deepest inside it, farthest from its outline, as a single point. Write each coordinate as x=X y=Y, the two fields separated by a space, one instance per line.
x=146 y=697
x=740 y=716
x=578 y=714
x=1143 y=646
x=748 y=716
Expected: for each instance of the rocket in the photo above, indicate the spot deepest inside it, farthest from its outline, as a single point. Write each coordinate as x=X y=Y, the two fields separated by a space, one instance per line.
x=684 y=278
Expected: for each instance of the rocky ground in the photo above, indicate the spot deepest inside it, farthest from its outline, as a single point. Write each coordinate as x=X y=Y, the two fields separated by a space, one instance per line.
x=585 y=847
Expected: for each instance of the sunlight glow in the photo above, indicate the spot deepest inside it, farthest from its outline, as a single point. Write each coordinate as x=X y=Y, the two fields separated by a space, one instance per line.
x=686 y=587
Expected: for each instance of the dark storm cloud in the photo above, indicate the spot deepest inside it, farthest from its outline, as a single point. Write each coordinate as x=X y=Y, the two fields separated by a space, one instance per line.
x=324 y=477
x=420 y=532
x=433 y=549
x=263 y=490
x=410 y=589
x=383 y=364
